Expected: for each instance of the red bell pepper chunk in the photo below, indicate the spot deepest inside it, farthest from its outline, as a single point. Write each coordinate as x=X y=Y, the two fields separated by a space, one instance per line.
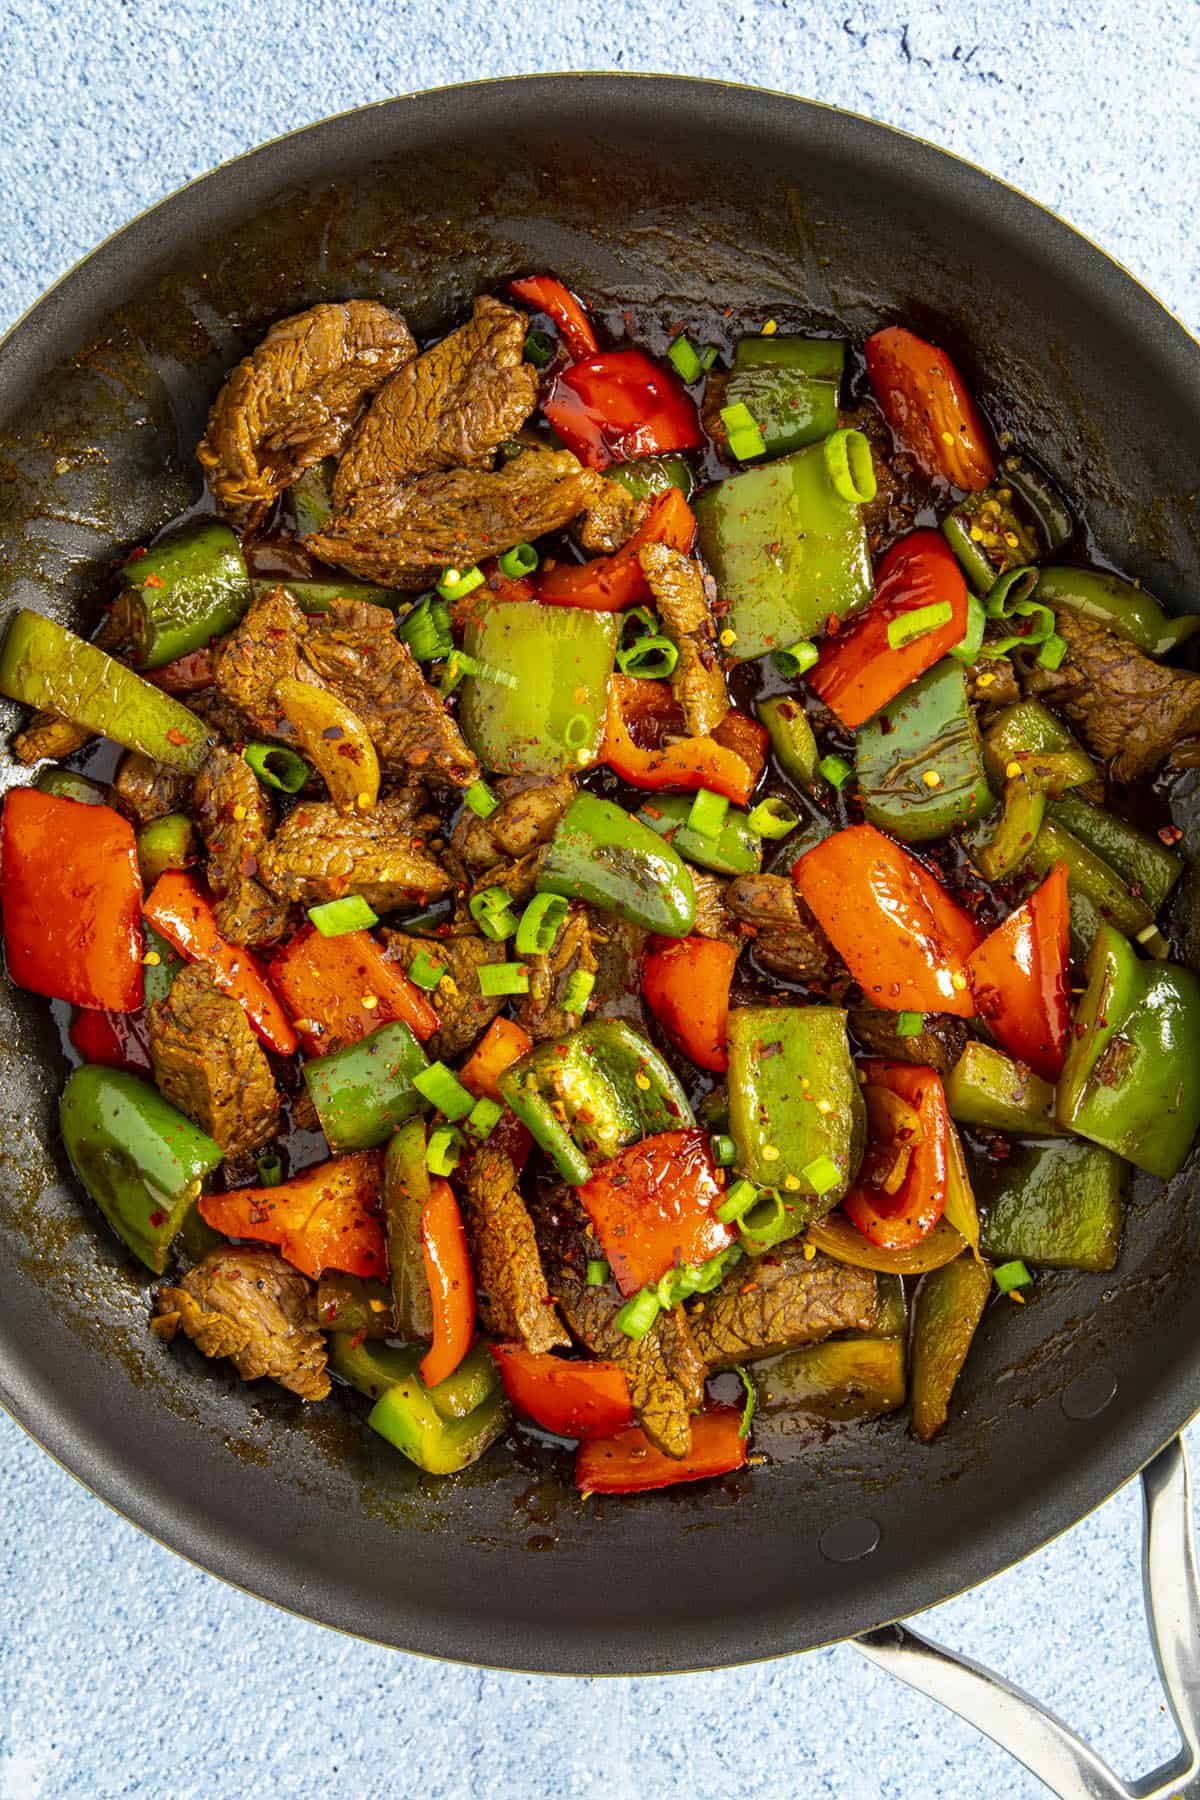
x=858 y=671
x=927 y=404
x=902 y=937
x=502 y=1044
x=655 y=1205
x=612 y=583
x=1019 y=974
x=118 y=1040
x=325 y=1218
x=573 y=1399
x=451 y=1283
x=686 y=982
x=183 y=915
x=620 y=404
x=628 y=1463
x=683 y=763
x=326 y=983
x=746 y=738
x=547 y=295
x=72 y=898
x=898 y=1220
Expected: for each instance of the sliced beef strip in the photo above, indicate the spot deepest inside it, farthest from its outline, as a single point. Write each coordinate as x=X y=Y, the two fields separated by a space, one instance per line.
x=405 y=537
x=785 y=941
x=517 y=878
x=464 y=1013
x=319 y=854
x=698 y=681
x=234 y=816
x=208 y=1062
x=448 y=408
x=264 y=649
x=527 y=817
x=353 y=649
x=295 y=399
x=541 y=1010
x=1128 y=708
x=148 y=790
x=938 y=1045
x=713 y=918
x=250 y=1305
x=48 y=735
x=504 y=1250
x=779 y=1301
x=611 y=520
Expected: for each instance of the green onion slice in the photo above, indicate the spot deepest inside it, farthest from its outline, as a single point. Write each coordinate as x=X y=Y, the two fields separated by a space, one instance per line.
x=822 y=1174
x=442 y=1088
x=277 y=767
x=484 y=1116
x=745 y=438
x=270 y=1169
x=1051 y=654
x=597 y=1271
x=708 y=356
x=910 y=1024
x=492 y=911
x=334 y=918
x=443 y=1153
x=849 y=466
x=652 y=658
x=520 y=561
x=456 y=584
x=638 y=1315
x=713 y=1272
x=578 y=731
x=481 y=800
x=426 y=629
x=918 y=623
x=708 y=813
x=796 y=658
x=751 y=1402
x=424 y=971
x=683 y=358
x=767 y=1220
x=971 y=642
x=1009 y=590
x=724 y=1150
x=540 y=348
x=737 y=1202
x=772 y=818
x=540 y=925
x=502 y=978
x=1011 y=1275
x=836 y=770
x=578 y=990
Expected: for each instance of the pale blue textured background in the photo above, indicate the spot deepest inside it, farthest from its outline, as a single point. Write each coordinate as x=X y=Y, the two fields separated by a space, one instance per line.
x=122 y=1670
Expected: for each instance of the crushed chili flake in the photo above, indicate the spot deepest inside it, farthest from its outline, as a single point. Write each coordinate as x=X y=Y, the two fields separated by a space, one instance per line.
x=175 y=736
x=1170 y=834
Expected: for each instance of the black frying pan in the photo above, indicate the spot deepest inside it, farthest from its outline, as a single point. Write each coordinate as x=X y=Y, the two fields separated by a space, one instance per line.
x=685 y=198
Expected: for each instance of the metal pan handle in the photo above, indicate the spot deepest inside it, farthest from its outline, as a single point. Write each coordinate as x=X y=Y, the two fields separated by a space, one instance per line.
x=1028 y=1730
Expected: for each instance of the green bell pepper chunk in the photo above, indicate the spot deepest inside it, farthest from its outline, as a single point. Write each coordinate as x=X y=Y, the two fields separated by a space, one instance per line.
x=790 y=384
x=363 y=1092
x=158 y=977
x=1148 y=868
x=1117 y=605
x=844 y=1378
x=405 y=1194
x=792 y=739
x=786 y=550
x=1098 y=896
x=1026 y=733
x=1016 y=832
x=988 y=1089
x=184 y=592
x=140 y=1159
x=408 y=1418
x=929 y=729
x=44 y=665
x=372 y=1368
x=319 y=596
x=1131 y=1080
x=736 y=850
x=603 y=855
x=311 y=495
x=1053 y=517
x=1056 y=1203
x=949 y=1306
x=795 y=1105
x=166 y=843
x=355 y=1304
x=986 y=556
x=646 y=476
x=67 y=785
x=892 y=1317
x=586 y=1096
x=550 y=654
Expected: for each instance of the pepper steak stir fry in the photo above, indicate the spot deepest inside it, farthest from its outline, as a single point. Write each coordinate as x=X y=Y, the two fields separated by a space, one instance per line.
x=610 y=854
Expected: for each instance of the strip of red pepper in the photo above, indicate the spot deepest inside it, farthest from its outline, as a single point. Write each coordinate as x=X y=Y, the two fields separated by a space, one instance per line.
x=613 y=583
x=628 y=1463
x=1020 y=978
x=184 y=916
x=549 y=296
x=620 y=404
x=451 y=1283
x=683 y=764
x=573 y=1399
x=929 y=406
x=895 y=1221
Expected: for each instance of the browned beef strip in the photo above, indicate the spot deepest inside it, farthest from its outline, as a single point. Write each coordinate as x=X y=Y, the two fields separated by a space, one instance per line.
x=505 y=1253
x=698 y=681
x=517 y=878
x=208 y=1062
x=248 y=1304
x=527 y=816
x=713 y=917
x=448 y=408
x=938 y=1045
x=46 y=735
x=296 y=399
x=319 y=853
x=148 y=790
x=353 y=649
x=264 y=649
x=464 y=1012
x=540 y=1011
x=1128 y=708
x=234 y=816
x=779 y=1301
x=785 y=941
x=407 y=536
x=611 y=519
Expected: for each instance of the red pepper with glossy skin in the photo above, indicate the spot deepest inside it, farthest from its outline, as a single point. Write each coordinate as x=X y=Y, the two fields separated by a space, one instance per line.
x=613 y=583
x=117 y=1040
x=502 y=1044
x=325 y=983
x=573 y=1399
x=325 y=1218
x=858 y=671
x=1020 y=979
x=620 y=404
x=893 y=924
x=549 y=296
x=451 y=1283
x=927 y=404
x=628 y=1463
x=896 y=1221
x=72 y=898
x=655 y=1205
x=746 y=738
x=180 y=912
x=683 y=764
x=686 y=982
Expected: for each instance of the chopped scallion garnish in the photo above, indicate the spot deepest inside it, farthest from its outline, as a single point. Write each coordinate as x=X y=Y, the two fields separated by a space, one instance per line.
x=745 y=438
x=637 y=1315
x=334 y=918
x=424 y=971
x=836 y=770
x=597 y=1271
x=481 y=800
x=772 y=818
x=491 y=909
x=918 y=623
x=540 y=348
x=442 y=1088
x=971 y=642
x=797 y=657
x=496 y=979
x=456 y=584
x=822 y=1174
x=652 y=658
x=724 y=1150
x=849 y=466
x=910 y=1024
x=277 y=767
x=426 y=629
x=737 y=1202
x=708 y=813
x=443 y=1153
x=484 y=1116
x=578 y=990
x=519 y=562
x=540 y=925
x=1051 y=654
x=270 y=1169
x=1011 y=1275
x=751 y=1402
x=684 y=360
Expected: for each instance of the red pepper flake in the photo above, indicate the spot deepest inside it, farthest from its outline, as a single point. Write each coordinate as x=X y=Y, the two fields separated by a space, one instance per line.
x=1170 y=834
x=154 y=581
x=358 y=1338
x=175 y=736
x=157 y=1219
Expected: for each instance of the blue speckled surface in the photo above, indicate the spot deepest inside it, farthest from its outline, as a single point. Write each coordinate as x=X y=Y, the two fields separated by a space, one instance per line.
x=122 y=1670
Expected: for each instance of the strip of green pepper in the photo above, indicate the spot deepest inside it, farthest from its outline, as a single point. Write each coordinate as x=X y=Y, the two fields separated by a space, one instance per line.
x=736 y=850
x=586 y=1096
x=441 y=1429
x=986 y=1088
x=1028 y=734
x=1014 y=835
x=795 y=1105
x=184 y=592
x=363 y=1092
x=558 y=659
x=1098 y=895
x=372 y=1368
x=140 y=1159
x=949 y=1306
x=353 y=1304
x=790 y=385
x=1117 y=605
x=645 y=476
x=1056 y=1203
x=160 y=965
x=67 y=785
x=405 y=1193
x=1148 y=868
x=792 y=739
x=988 y=537
x=603 y=855
x=919 y=762
x=845 y=1378
x=166 y=843
x=319 y=596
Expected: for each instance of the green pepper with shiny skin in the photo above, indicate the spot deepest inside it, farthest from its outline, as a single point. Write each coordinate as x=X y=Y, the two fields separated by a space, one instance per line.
x=141 y=1160
x=166 y=843
x=67 y=785
x=1098 y=895
x=184 y=592
x=1024 y=810
x=949 y=1306
x=585 y=1096
x=354 y=1304
x=1147 y=867
x=319 y=596
x=442 y=1428
x=645 y=476
x=857 y=1377
x=160 y=965
x=792 y=739
x=790 y=385
x=1056 y=1203
x=602 y=854
x=735 y=850
x=795 y=1105
x=363 y=1092
x=1117 y=605
x=919 y=762
x=405 y=1193
x=372 y=1368
x=988 y=1089
x=546 y=713
x=1028 y=734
